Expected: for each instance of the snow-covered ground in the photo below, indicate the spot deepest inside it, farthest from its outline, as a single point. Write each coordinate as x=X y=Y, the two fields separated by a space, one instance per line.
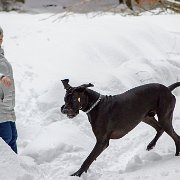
x=114 y=53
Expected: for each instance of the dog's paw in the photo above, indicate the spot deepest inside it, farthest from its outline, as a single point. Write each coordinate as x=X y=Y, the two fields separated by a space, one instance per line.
x=150 y=147
x=78 y=173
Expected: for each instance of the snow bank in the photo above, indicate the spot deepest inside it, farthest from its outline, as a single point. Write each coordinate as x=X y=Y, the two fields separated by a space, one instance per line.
x=14 y=167
x=55 y=140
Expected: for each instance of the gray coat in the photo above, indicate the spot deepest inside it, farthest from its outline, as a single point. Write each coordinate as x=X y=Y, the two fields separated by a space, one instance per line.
x=7 y=94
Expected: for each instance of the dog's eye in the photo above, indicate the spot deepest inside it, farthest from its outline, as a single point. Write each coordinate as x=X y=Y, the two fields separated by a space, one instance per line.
x=74 y=99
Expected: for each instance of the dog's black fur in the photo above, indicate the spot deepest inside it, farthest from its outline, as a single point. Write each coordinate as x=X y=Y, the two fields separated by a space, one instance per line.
x=114 y=116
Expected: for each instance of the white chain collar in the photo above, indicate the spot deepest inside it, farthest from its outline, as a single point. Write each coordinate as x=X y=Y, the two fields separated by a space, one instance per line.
x=95 y=104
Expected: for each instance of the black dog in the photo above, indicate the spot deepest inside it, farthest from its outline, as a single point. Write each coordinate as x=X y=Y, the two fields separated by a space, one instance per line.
x=112 y=117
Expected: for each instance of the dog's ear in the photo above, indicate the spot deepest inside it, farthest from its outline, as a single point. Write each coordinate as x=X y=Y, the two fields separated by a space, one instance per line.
x=87 y=85
x=66 y=84
x=84 y=86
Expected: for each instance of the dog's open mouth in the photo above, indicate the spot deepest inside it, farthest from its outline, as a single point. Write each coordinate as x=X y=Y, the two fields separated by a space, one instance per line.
x=70 y=116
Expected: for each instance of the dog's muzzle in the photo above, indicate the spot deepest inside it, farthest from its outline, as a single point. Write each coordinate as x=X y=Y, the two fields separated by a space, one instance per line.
x=63 y=110
x=69 y=112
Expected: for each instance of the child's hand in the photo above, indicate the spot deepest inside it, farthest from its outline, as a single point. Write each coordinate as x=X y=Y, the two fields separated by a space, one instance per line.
x=6 y=81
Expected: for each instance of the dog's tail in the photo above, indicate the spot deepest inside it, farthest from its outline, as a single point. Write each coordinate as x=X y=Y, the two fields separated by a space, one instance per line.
x=173 y=86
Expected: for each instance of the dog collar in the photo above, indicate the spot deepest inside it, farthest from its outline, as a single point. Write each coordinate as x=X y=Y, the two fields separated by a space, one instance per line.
x=94 y=105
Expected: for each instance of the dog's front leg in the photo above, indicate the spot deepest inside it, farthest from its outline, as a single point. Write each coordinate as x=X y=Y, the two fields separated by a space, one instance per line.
x=99 y=147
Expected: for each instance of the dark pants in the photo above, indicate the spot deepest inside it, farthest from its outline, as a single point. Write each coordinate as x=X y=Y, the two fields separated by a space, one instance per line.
x=8 y=133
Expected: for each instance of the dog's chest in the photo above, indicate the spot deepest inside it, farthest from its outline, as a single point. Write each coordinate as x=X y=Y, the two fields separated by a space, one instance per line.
x=116 y=134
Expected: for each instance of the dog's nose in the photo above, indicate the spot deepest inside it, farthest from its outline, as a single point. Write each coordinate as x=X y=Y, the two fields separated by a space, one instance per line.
x=63 y=109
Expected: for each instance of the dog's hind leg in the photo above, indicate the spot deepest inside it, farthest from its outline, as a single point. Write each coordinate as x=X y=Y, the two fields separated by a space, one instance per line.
x=168 y=128
x=153 y=123
x=165 y=116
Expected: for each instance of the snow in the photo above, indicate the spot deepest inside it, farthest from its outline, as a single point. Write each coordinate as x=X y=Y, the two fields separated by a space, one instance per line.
x=16 y=167
x=114 y=53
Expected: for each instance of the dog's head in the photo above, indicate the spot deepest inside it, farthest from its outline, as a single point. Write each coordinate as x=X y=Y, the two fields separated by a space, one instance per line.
x=75 y=98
